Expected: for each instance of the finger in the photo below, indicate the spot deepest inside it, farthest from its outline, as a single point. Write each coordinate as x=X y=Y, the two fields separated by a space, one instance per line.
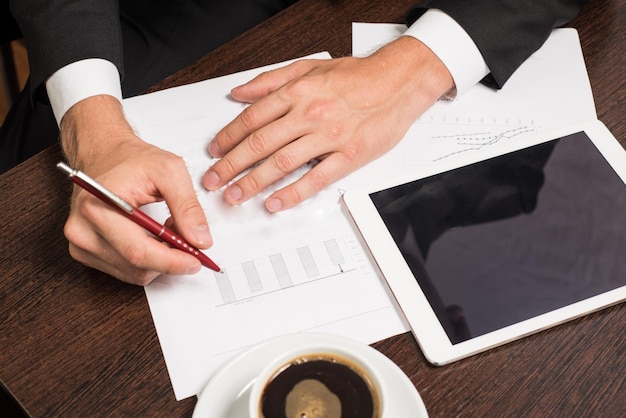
x=328 y=170
x=102 y=238
x=257 y=146
x=269 y=81
x=128 y=274
x=118 y=266
x=248 y=121
x=277 y=166
x=137 y=260
x=177 y=189
x=266 y=108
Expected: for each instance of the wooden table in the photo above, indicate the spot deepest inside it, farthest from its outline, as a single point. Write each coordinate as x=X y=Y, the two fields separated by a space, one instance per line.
x=74 y=342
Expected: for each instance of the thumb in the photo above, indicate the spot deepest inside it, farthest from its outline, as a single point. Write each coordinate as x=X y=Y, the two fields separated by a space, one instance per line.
x=187 y=213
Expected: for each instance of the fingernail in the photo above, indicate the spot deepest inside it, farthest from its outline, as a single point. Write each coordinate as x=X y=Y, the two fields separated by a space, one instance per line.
x=233 y=194
x=211 y=180
x=274 y=204
x=214 y=149
x=202 y=234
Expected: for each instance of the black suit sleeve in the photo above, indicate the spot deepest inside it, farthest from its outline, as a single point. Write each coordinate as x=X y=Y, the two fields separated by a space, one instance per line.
x=146 y=39
x=59 y=32
x=506 y=32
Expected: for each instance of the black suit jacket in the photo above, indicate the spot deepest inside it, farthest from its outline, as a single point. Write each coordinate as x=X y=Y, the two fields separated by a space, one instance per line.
x=146 y=39
x=59 y=32
x=506 y=32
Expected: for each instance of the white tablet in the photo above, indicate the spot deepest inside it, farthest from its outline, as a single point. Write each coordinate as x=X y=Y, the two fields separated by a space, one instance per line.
x=485 y=250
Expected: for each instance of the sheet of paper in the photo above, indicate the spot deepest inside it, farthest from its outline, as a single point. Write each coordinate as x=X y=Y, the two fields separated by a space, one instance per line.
x=306 y=269
x=551 y=89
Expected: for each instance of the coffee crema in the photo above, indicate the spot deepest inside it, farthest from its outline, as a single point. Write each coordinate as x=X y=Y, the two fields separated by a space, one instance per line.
x=320 y=386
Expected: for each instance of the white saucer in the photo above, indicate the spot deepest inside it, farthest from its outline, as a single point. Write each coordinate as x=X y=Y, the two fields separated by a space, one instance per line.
x=226 y=394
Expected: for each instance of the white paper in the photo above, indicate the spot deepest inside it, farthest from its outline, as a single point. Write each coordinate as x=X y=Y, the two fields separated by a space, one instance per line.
x=306 y=269
x=303 y=269
x=551 y=89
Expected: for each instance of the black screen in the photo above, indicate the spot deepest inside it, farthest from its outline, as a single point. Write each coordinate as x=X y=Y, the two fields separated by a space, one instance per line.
x=512 y=237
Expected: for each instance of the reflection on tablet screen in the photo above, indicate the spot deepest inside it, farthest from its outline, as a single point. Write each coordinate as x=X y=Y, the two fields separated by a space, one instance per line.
x=510 y=238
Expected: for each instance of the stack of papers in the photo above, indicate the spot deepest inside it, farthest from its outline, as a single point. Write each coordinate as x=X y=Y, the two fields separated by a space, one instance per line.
x=306 y=269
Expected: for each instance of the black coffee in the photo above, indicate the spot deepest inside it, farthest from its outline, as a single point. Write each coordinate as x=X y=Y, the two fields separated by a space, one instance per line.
x=319 y=386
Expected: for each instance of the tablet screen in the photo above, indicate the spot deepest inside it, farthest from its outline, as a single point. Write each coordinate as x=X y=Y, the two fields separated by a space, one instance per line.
x=510 y=238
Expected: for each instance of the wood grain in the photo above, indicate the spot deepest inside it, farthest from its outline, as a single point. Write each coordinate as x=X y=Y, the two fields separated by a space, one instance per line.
x=74 y=342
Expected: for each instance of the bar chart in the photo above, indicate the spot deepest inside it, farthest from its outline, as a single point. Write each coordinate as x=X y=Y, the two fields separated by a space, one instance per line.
x=283 y=270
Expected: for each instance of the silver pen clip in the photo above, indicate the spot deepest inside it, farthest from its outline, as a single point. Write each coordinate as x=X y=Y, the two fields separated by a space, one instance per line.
x=115 y=199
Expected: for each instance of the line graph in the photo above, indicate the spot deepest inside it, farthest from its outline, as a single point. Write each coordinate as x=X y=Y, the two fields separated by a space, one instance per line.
x=477 y=140
x=435 y=138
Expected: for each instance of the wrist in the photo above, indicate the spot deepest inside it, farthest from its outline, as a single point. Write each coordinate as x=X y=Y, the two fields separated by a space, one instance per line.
x=94 y=127
x=423 y=74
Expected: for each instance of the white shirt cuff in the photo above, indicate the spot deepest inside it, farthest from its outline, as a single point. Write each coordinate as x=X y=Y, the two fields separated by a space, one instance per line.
x=80 y=80
x=454 y=47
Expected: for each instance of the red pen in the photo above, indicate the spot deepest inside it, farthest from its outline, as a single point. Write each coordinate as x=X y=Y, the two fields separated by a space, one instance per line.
x=135 y=215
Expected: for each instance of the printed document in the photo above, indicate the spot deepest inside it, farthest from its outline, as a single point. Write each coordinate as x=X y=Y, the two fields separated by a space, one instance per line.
x=306 y=269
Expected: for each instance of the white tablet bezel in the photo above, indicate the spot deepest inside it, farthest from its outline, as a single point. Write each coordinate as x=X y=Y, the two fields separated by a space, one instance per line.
x=424 y=324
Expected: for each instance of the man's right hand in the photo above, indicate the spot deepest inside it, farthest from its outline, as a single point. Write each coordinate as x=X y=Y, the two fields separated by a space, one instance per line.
x=97 y=139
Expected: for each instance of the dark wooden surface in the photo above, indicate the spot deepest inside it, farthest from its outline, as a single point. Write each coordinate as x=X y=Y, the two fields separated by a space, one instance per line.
x=74 y=342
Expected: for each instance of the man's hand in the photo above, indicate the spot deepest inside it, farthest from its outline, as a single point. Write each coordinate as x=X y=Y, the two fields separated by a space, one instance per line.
x=97 y=139
x=344 y=112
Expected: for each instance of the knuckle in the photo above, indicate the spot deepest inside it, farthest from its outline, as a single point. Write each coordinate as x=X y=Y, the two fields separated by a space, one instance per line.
x=351 y=152
x=172 y=163
x=318 y=110
x=292 y=196
x=75 y=252
x=301 y=87
x=249 y=117
x=226 y=167
x=75 y=235
x=335 y=134
x=188 y=206
x=329 y=112
x=284 y=162
x=257 y=142
x=252 y=184
x=226 y=136
x=86 y=207
x=71 y=233
x=134 y=254
x=263 y=76
x=143 y=277
x=318 y=180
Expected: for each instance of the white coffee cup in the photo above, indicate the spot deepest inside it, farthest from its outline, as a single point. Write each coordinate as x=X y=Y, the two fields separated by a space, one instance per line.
x=316 y=367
